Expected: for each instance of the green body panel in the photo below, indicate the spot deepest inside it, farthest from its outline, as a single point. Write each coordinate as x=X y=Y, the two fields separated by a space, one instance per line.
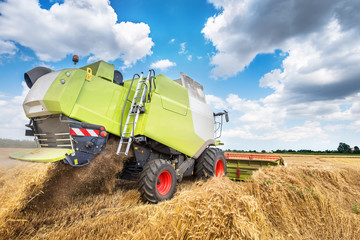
x=100 y=102
x=174 y=97
x=167 y=118
x=101 y=69
x=60 y=97
x=242 y=169
x=41 y=154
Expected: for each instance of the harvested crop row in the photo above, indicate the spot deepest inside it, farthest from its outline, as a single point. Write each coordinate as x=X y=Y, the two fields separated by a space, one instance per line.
x=45 y=185
x=281 y=203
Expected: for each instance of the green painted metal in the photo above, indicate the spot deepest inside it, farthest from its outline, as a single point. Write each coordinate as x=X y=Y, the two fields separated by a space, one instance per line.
x=41 y=154
x=167 y=119
x=101 y=69
x=241 y=169
x=242 y=166
x=59 y=98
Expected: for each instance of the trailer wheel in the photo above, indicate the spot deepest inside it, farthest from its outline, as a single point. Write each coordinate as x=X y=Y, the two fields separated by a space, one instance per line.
x=157 y=181
x=211 y=162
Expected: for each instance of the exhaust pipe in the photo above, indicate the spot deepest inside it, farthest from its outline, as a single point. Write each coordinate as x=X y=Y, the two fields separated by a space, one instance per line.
x=34 y=74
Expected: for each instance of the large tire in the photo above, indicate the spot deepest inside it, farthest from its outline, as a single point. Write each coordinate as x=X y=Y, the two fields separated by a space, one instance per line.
x=211 y=162
x=157 y=181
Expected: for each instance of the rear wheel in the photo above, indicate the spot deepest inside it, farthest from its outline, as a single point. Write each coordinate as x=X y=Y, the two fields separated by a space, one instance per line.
x=211 y=162
x=157 y=181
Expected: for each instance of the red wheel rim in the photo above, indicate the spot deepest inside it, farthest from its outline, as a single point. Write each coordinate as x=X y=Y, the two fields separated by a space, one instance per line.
x=164 y=183
x=219 y=168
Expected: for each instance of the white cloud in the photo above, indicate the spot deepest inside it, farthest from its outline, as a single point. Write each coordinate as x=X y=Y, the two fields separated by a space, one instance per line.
x=7 y=47
x=26 y=58
x=163 y=65
x=246 y=28
x=172 y=40
x=183 y=48
x=189 y=57
x=316 y=92
x=88 y=28
x=306 y=131
x=265 y=122
x=13 y=119
x=216 y=102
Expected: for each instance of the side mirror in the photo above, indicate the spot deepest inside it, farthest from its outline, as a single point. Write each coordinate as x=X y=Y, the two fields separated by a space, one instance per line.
x=226 y=116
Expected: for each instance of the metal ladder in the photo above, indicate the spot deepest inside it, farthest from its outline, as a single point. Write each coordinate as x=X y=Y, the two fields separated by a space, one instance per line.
x=127 y=136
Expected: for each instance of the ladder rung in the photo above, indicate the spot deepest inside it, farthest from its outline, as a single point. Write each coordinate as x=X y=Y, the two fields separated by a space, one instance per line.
x=134 y=111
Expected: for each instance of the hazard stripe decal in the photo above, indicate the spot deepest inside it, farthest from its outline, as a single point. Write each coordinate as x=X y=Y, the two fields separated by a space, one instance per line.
x=92 y=133
x=84 y=132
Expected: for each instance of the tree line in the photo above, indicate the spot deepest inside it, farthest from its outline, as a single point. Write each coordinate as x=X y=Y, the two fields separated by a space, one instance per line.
x=342 y=148
x=10 y=143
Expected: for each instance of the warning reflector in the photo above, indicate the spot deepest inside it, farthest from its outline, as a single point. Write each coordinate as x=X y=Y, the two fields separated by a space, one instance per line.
x=84 y=132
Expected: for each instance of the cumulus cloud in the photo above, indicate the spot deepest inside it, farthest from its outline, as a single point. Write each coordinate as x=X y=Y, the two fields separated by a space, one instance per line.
x=216 y=102
x=7 y=47
x=268 y=120
x=183 y=48
x=88 y=28
x=13 y=119
x=317 y=88
x=246 y=28
x=163 y=65
x=293 y=134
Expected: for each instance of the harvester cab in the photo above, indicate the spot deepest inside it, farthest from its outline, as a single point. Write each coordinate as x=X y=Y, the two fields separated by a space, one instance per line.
x=165 y=123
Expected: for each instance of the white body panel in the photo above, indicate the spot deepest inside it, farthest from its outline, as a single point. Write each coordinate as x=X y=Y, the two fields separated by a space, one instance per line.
x=33 y=104
x=203 y=119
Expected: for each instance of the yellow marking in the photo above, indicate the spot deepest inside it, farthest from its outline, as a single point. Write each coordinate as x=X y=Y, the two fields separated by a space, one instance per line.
x=89 y=74
x=76 y=162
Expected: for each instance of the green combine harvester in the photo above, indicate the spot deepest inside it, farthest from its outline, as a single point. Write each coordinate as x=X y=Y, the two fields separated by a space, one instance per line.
x=165 y=123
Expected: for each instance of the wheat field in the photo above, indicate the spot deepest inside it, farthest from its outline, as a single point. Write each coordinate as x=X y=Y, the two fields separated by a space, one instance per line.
x=315 y=197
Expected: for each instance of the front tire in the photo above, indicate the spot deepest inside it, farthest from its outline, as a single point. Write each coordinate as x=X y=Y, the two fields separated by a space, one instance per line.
x=157 y=181
x=211 y=162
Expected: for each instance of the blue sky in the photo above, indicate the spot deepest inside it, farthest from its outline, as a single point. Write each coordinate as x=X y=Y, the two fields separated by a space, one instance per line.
x=286 y=70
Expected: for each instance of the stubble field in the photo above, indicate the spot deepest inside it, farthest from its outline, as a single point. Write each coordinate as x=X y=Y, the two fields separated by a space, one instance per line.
x=315 y=197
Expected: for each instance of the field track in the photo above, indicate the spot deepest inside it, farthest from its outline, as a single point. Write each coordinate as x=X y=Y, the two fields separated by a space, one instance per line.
x=315 y=197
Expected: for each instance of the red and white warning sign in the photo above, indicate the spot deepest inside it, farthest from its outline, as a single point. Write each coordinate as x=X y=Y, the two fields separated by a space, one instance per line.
x=84 y=132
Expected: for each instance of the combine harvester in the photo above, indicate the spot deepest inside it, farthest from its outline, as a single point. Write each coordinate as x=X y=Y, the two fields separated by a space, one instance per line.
x=166 y=124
